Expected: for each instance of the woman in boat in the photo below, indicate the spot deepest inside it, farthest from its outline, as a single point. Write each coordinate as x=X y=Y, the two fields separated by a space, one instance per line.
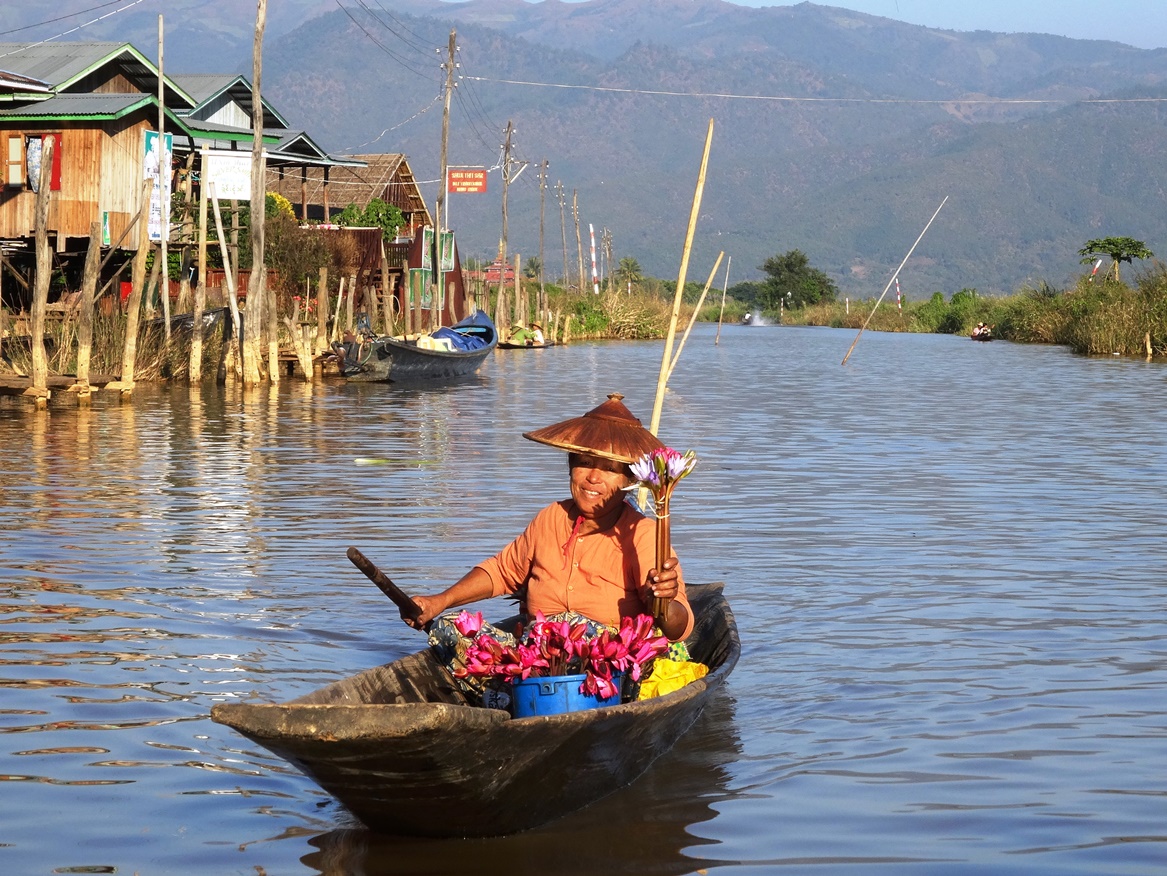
x=593 y=554
x=531 y=337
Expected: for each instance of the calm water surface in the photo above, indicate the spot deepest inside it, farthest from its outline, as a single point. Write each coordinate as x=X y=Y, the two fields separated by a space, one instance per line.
x=946 y=559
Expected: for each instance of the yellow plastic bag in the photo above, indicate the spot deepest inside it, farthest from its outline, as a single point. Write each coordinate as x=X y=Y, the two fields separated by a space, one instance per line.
x=668 y=676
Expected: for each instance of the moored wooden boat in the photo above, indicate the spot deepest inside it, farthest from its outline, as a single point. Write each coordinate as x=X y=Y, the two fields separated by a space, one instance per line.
x=394 y=359
x=400 y=747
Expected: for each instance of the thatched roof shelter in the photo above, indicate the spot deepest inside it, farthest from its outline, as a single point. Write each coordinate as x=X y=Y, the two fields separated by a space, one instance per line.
x=317 y=192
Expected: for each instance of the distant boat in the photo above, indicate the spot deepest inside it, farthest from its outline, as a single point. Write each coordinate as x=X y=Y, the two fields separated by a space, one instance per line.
x=982 y=332
x=511 y=345
x=443 y=354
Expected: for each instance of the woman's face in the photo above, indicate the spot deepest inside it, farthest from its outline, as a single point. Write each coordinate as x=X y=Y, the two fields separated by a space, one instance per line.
x=597 y=484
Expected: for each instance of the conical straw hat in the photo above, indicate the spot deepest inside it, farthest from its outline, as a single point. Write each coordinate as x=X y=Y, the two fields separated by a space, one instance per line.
x=609 y=431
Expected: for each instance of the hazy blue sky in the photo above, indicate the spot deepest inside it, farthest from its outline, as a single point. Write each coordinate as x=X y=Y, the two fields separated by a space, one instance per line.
x=1141 y=23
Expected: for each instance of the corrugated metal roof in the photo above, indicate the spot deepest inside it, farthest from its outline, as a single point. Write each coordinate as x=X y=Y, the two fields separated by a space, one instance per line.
x=87 y=105
x=56 y=63
x=205 y=87
x=59 y=64
x=14 y=82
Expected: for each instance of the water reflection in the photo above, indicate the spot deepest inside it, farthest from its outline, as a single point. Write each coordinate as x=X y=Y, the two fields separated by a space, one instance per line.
x=944 y=560
x=646 y=828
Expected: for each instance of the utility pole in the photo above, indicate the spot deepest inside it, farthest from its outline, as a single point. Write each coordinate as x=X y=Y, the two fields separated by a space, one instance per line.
x=606 y=259
x=439 y=295
x=562 y=227
x=507 y=179
x=578 y=241
x=542 y=203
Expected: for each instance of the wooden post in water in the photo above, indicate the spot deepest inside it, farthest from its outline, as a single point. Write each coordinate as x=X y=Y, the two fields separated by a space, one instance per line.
x=261 y=305
x=163 y=187
x=134 y=304
x=229 y=279
x=85 y=323
x=386 y=293
x=407 y=303
x=44 y=269
x=322 y=311
x=348 y=310
x=200 y=299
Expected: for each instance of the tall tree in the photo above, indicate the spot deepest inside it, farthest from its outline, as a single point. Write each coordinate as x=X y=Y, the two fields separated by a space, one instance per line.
x=1119 y=249
x=790 y=277
x=629 y=271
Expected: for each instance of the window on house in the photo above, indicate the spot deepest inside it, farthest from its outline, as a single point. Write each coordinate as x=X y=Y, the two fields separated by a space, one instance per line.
x=14 y=160
x=34 y=147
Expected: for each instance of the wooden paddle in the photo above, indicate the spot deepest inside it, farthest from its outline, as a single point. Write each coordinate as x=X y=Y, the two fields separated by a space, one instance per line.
x=400 y=598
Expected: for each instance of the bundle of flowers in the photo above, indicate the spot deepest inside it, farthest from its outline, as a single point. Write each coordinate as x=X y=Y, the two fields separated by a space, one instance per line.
x=559 y=647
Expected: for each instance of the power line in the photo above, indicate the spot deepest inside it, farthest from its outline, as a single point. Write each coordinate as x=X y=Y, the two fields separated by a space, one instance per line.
x=789 y=99
x=384 y=48
x=59 y=18
x=73 y=29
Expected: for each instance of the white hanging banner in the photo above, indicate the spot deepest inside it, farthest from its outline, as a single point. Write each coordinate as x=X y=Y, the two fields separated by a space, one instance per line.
x=229 y=172
x=156 y=167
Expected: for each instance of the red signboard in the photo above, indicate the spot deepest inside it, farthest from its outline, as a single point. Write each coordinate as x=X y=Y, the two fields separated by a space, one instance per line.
x=466 y=180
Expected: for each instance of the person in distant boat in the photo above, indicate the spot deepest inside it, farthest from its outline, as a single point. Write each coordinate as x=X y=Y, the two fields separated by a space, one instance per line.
x=530 y=336
x=747 y=318
x=593 y=553
x=981 y=330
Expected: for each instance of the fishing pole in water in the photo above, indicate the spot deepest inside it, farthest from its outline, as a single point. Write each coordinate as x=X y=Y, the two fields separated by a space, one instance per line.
x=894 y=277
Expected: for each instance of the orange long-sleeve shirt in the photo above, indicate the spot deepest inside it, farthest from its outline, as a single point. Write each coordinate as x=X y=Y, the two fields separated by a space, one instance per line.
x=597 y=575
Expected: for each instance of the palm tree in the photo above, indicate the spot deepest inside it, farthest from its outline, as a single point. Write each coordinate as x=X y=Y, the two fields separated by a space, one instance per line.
x=629 y=272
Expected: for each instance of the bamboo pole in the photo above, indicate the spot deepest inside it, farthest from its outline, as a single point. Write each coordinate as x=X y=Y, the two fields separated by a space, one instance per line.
x=200 y=299
x=350 y=301
x=662 y=381
x=134 y=304
x=85 y=321
x=44 y=268
x=261 y=310
x=693 y=317
x=322 y=311
x=724 y=288
x=163 y=187
x=229 y=277
x=386 y=293
x=893 y=279
x=336 y=316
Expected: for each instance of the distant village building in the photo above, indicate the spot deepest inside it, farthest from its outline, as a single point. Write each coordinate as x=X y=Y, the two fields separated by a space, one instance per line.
x=98 y=100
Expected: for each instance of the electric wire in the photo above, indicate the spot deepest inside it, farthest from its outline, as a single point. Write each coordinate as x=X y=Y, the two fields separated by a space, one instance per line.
x=73 y=29
x=947 y=101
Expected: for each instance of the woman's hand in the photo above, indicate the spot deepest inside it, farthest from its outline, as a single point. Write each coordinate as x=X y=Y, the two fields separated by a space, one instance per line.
x=430 y=608
x=662 y=584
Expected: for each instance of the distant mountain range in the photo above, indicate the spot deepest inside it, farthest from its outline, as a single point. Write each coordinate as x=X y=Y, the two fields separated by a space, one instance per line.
x=835 y=132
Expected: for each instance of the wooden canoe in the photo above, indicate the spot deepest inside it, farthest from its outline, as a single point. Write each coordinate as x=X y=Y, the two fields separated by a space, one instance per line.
x=387 y=358
x=508 y=345
x=405 y=754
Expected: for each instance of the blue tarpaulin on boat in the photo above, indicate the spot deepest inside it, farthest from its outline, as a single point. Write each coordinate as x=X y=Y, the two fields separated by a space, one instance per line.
x=459 y=340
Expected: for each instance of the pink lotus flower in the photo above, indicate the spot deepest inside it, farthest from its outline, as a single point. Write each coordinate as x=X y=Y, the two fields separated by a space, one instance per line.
x=552 y=648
